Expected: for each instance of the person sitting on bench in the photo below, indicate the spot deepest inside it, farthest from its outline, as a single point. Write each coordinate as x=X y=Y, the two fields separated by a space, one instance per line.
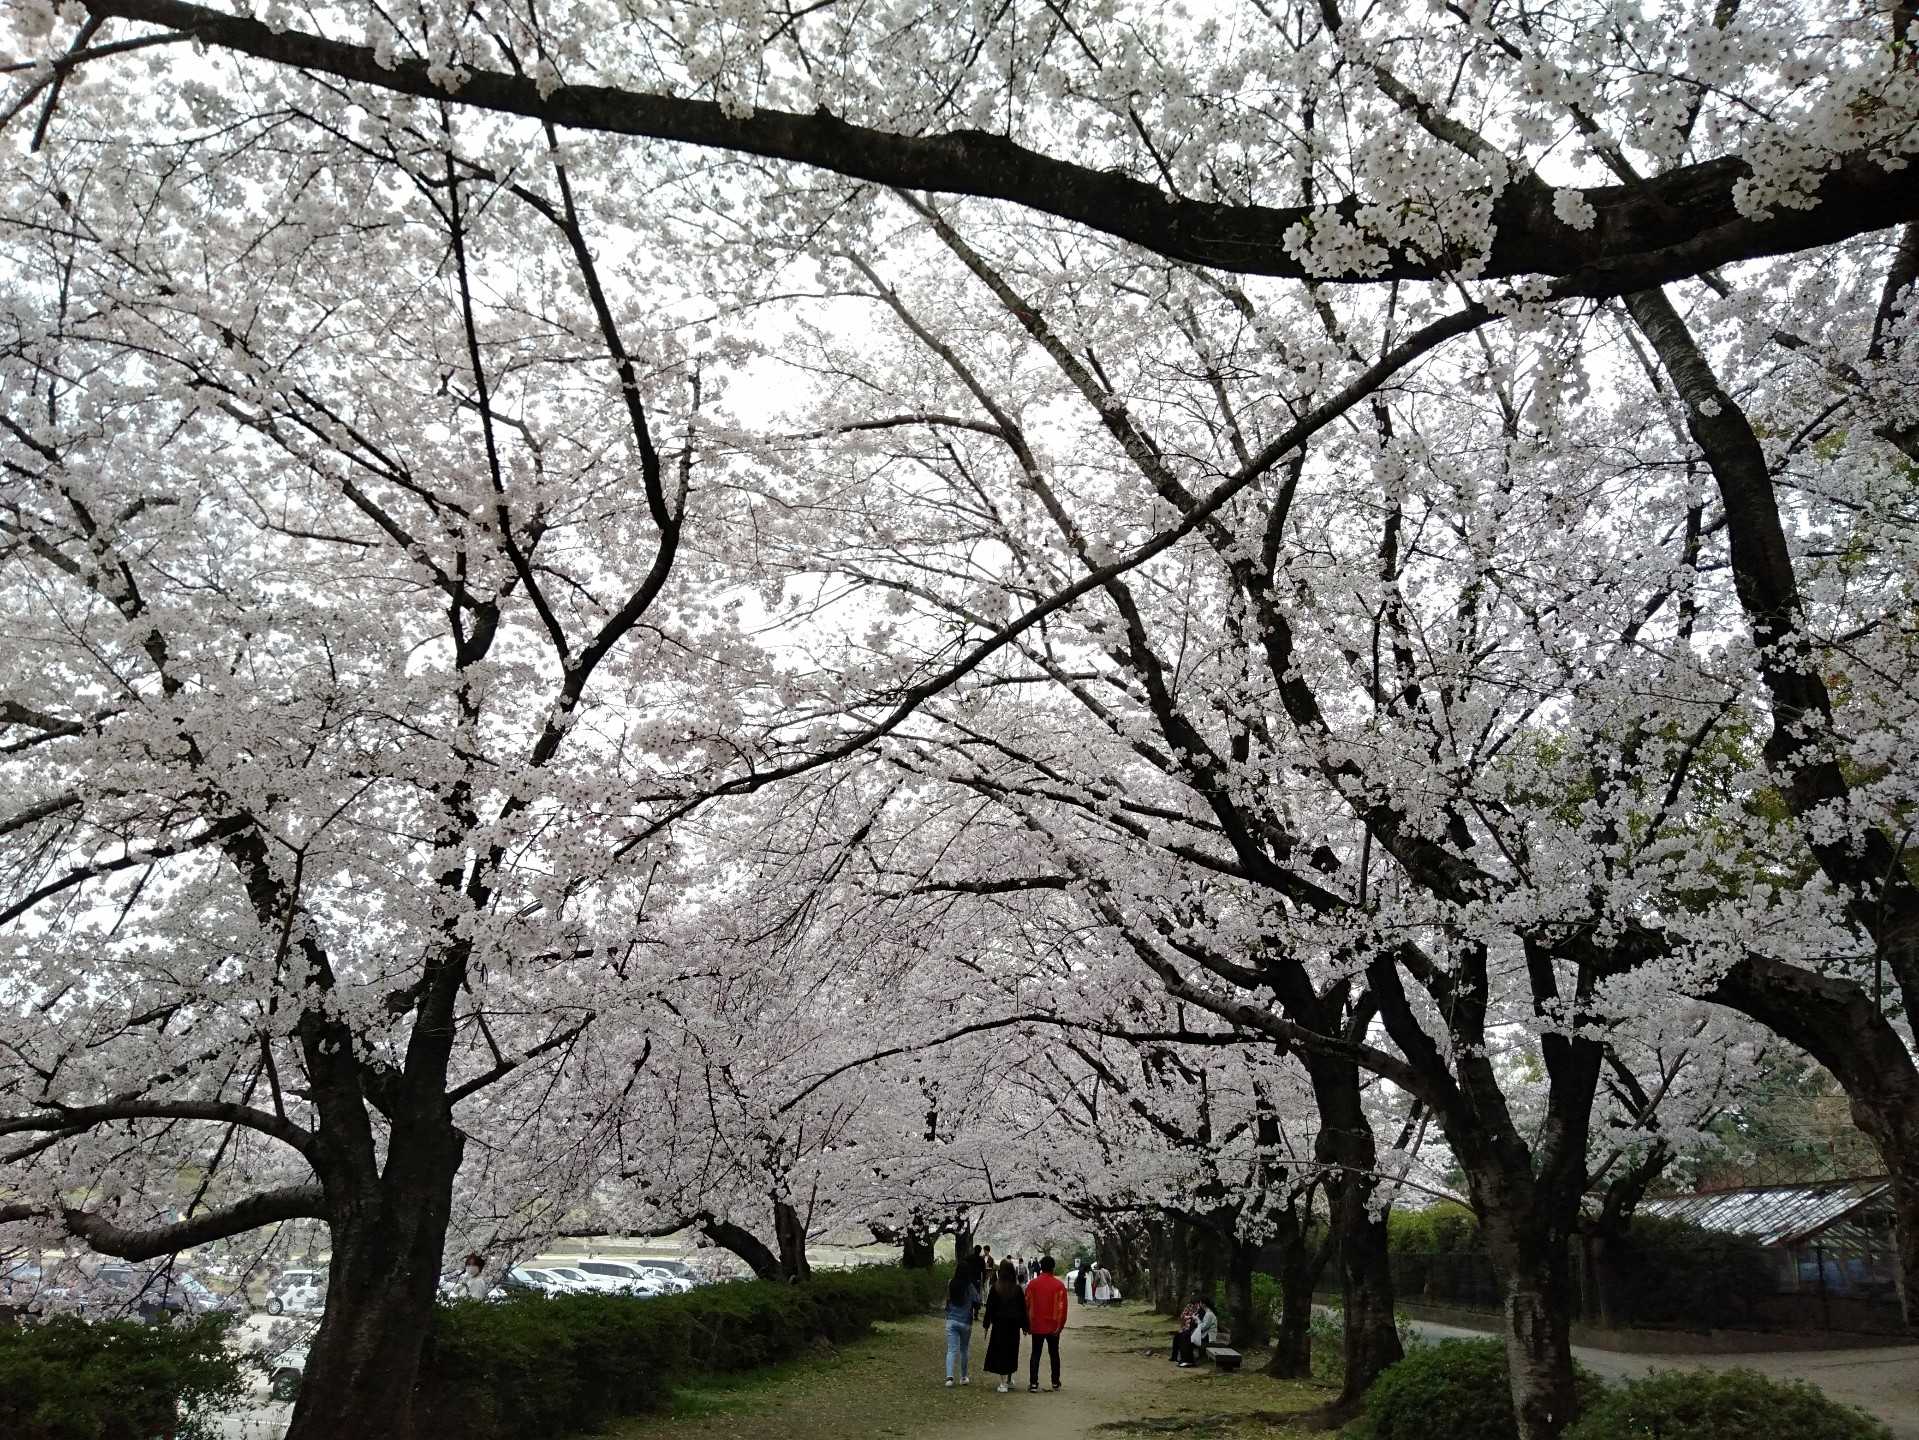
x=1197 y=1326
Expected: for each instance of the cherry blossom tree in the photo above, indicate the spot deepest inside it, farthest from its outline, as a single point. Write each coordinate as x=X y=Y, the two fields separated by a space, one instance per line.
x=351 y=662
x=1402 y=563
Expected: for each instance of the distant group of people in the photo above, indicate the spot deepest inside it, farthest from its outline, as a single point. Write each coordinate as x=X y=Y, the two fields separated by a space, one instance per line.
x=1092 y=1283
x=1009 y=1300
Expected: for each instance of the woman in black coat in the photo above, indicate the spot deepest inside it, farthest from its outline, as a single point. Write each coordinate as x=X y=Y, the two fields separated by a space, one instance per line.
x=1005 y=1322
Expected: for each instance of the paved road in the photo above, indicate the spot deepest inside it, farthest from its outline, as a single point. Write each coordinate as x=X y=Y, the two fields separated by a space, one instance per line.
x=1883 y=1382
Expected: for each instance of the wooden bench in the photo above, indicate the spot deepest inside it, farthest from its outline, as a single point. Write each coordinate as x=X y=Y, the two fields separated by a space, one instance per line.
x=1225 y=1357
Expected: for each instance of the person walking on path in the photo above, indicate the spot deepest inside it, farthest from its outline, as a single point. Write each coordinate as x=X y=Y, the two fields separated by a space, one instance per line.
x=1045 y=1317
x=1005 y=1321
x=962 y=1299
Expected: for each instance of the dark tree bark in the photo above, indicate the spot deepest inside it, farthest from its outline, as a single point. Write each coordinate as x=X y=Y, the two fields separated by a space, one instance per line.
x=1348 y=1155
x=1299 y=1269
x=740 y=1241
x=916 y=1250
x=363 y=1365
x=1678 y=224
x=790 y=1230
x=915 y=1240
x=1244 y=1321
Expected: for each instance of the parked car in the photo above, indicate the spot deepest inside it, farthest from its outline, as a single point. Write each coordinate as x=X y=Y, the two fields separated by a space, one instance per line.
x=628 y=1276
x=297 y=1292
x=285 y=1371
x=583 y=1282
x=539 y=1280
x=153 y=1294
x=669 y=1283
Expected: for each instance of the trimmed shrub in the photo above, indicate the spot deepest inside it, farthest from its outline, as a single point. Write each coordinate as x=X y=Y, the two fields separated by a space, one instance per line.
x=537 y=1366
x=1458 y=1389
x=1721 y=1405
x=116 y=1380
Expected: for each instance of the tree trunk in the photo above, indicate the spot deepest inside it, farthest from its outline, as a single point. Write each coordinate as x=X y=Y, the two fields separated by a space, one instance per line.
x=740 y=1241
x=1345 y=1147
x=1371 y=1337
x=1244 y=1322
x=916 y=1249
x=1292 y=1357
x=790 y=1230
x=363 y=1365
x=1534 y=1277
x=1539 y=1353
x=1300 y=1264
x=1166 y=1270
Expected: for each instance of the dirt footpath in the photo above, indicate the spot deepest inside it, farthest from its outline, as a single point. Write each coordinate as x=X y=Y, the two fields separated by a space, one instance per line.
x=1116 y=1379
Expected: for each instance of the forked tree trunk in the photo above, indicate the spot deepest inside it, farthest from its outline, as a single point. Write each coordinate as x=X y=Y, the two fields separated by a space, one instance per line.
x=363 y=1365
x=790 y=1231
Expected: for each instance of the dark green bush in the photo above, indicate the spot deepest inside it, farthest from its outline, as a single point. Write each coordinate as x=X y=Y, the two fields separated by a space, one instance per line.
x=1724 y=1405
x=537 y=1366
x=117 y=1380
x=1457 y=1389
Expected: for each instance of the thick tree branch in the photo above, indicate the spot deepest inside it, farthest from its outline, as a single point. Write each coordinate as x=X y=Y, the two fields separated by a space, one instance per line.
x=1676 y=225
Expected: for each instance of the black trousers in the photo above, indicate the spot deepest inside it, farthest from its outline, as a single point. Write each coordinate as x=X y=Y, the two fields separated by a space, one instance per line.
x=1051 y=1345
x=1183 y=1347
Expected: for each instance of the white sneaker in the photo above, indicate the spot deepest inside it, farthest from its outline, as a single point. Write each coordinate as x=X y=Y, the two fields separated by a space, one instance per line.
x=1003 y=1387
x=965 y=1380
x=949 y=1382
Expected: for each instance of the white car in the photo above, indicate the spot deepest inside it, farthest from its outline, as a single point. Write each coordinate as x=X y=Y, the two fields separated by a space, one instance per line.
x=669 y=1283
x=285 y=1371
x=297 y=1292
x=627 y=1275
x=539 y=1279
x=583 y=1283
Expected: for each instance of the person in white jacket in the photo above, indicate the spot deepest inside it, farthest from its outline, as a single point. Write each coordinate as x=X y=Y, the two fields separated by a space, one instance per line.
x=1198 y=1326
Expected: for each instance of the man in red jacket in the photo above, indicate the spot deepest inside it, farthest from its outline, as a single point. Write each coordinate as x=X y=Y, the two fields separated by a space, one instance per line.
x=1045 y=1318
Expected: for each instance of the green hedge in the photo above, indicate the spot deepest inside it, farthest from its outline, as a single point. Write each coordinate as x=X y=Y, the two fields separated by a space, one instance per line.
x=1728 y=1405
x=116 y=1380
x=1455 y=1390
x=537 y=1366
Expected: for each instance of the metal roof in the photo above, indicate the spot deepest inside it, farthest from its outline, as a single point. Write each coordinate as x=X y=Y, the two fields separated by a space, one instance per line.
x=1772 y=1214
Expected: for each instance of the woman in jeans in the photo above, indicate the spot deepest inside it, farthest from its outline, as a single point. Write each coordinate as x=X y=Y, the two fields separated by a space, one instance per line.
x=962 y=1298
